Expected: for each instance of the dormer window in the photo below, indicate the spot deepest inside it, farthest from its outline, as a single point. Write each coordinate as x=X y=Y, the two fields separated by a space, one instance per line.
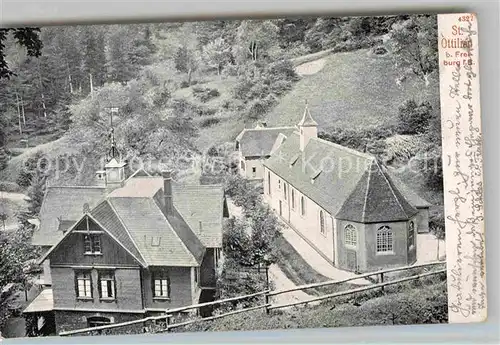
x=92 y=244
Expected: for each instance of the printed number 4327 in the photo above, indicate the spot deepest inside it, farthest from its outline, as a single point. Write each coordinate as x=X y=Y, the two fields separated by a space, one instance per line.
x=467 y=18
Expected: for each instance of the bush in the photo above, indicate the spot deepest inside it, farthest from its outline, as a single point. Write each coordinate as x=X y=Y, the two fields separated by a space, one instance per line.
x=431 y=167
x=436 y=219
x=357 y=139
x=209 y=122
x=183 y=108
x=414 y=118
x=10 y=187
x=4 y=158
x=205 y=94
x=380 y=50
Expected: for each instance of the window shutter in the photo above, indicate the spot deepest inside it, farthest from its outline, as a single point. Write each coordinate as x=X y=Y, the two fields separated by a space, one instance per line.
x=75 y=277
x=168 y=285
x=99 y=284
x=114 y=285
x=153 y=284
x=91 y=284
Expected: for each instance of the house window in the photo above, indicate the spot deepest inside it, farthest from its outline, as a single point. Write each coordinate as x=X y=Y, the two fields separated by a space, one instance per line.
x=92 y=244
x=322 y=222
x=302 y=206
x=237 y=145
x=161 y=285
x=268 y=183
x=279 y=184
x=384 y=239
x=254 y=171
x=293 y=198
x=107 y=285
x=83 y=284
x=350 y=235
x=243 y=165
x=411 y=234
x=96 y=321
x=285 y=190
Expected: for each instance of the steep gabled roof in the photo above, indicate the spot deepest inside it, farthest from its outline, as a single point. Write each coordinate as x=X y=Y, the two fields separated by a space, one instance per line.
x=258 y=142
x=161 y=242
x=202 y=208
x=340 y=170
x=348 y=184
x=66 y=203
x=375 y=199
x=107 y=217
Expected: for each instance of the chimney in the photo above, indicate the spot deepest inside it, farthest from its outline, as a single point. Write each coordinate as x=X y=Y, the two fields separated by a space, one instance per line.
x=167 y=191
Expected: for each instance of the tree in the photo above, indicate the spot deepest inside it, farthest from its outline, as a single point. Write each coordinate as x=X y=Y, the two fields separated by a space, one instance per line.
x=94 y=58
x=26 y=37
x=119 y=65
x=440 y=234
x=3 y=212
x=415 y=46
x=14 y=252
x=256 y=40
x=186 y=61
x=217 y=54
x=414 y=118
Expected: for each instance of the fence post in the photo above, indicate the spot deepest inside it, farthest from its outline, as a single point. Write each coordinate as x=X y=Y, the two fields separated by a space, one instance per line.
x=267 y=302
x=167 y=321
x=382 y=280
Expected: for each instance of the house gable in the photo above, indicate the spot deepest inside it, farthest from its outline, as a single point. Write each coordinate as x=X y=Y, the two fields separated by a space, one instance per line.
x=70 y=250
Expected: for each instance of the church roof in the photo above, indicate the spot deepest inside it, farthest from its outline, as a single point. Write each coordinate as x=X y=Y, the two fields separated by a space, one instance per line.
x=258 y=142
x=375 y=199
x=346 y=183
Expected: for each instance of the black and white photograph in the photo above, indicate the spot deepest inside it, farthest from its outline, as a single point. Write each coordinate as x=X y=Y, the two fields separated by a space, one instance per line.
x=225 y=175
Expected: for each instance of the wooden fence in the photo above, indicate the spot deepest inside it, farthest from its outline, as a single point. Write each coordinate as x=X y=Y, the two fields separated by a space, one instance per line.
x=169 y=313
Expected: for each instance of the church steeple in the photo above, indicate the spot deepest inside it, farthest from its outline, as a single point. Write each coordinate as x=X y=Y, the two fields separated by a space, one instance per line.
x=308 y=128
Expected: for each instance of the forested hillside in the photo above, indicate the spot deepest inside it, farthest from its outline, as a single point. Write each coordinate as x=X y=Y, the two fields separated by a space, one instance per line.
x=185 y=88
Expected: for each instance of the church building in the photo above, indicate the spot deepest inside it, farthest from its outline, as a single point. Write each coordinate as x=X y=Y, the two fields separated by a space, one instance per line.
x=345 y=204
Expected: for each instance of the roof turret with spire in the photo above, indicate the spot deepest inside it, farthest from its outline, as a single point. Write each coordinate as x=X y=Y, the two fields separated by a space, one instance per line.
x=308 y=128
x=307 y=119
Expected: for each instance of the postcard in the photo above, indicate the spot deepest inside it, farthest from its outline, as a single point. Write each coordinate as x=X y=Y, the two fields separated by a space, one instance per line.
x=234 y=175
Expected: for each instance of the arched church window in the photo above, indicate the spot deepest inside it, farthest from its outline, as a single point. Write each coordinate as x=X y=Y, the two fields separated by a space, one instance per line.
x=350 y=235
x=384 y=239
